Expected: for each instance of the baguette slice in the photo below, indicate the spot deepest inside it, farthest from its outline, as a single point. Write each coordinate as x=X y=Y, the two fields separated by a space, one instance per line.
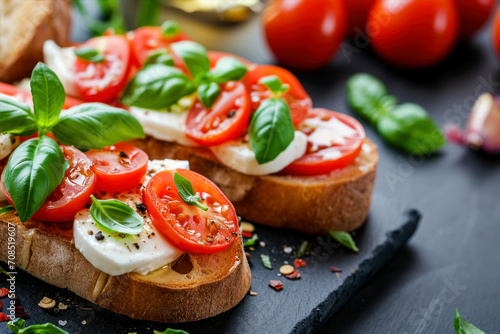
x=46 y=251
x=312 y=204
x=24 y=27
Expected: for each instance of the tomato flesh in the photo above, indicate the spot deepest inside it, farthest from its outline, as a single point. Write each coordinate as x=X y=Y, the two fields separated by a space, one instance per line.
x=296 y=96
x=225 y=120
x=104 y=81
x=334 y=141
x=188 y=227
x=473 y=15
x=119 y=167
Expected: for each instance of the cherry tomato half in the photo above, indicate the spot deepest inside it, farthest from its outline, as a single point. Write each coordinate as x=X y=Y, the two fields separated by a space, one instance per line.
x=225 y=120
x=297 y=98
x=413 y=33
x=188 y=227
x=357 y=13
x=304 y=34
x=333 y=141
x=103 y=81
x=473 y=15
x=73 y=192
x=119 y=167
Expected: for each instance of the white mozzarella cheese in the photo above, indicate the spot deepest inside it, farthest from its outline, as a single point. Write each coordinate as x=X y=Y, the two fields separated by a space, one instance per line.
x=62 y=61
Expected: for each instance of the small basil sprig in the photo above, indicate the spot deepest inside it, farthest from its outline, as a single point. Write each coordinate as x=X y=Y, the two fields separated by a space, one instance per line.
x=464 y=327
x=406 y=126
x=89 y=54
x=170 y=29
x=271 y=129
x=159 y=57
x=116 y=216
x=186 y=191
x=345 y=239
x=18 y=327
x=16 y=117
x=170 y=331
x=266 y=261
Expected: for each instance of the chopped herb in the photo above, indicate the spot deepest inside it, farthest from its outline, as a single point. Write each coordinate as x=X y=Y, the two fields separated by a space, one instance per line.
x=171 y=331
x=266 y=261
x=276 y=284
x=305 y=249
x=345 y=239
x=6 y=209
x=3 y=271
x=251 y=241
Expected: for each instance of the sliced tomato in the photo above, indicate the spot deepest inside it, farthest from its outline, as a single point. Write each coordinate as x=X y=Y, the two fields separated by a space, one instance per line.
x=188 y=227
x=73 y=192
x=71 y=102
x=214 y=57
x=119 y=167
x=334 y=141
x=145 y=40
x=225 y=120
x=296 y=96
x=103 y=81
x=15 y=92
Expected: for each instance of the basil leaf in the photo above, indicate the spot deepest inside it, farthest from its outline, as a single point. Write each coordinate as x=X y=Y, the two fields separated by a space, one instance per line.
x=186 y=191
x=6 y=209
x=266 y=261
x=16 y=117
x=274 y=84
x=157 y=87
x=89 y=54
x=194 y=55
x=208 y=93
x=159 y=57
x=16 y=325
x=33 y=172
x=116 y=216
x=170 y=29
x=463 y=327
x=228 y=69
x=171 y=331
x=271 y=129
x=409 y=127
x=47 y=328
x=96 y=125
x=305 y=248
x=252 y=241
x=345 y=239
x=48 y=97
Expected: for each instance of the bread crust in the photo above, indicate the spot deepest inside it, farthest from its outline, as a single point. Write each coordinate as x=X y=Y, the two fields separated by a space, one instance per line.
x=46 y=251
x=312 y=204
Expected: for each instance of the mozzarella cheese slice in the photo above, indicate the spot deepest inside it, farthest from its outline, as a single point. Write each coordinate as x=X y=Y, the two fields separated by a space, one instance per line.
x=117 y=254
x=62 y=62
x=239 y=156
x=7 y=144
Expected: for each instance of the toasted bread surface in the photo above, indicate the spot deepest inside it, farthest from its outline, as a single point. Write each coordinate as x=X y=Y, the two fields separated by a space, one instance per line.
x=312 y=204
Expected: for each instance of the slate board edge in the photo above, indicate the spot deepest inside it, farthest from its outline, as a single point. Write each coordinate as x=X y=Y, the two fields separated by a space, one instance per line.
x=381 y=255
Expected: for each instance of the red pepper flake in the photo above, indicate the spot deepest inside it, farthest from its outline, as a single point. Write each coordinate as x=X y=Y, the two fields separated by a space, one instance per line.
x=3 y=292
x=294 y=275
x=247 y=234
x=3 y=317
x=20 y=312
x=276 y=284
x=297 y=263
x=335 y=270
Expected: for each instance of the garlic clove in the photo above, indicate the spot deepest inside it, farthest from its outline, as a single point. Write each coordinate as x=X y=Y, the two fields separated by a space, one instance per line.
x=483 y=127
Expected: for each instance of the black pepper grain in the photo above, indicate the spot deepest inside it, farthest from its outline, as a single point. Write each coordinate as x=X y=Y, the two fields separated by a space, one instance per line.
x=99 y=236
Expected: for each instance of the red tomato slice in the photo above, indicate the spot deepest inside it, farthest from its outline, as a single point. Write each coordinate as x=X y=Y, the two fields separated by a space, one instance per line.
x=71 y=102
x=16 y=93
x=188 y=227
x=226 y=120
x=73 y=192
x=334 y=141
x=296 y=96
x=145 y=40
x=103 y=82
x=119 y=167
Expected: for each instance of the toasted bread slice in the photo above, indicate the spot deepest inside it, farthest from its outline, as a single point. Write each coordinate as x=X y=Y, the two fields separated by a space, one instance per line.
x=24 y=27
x=183 y=294
x=312 y=204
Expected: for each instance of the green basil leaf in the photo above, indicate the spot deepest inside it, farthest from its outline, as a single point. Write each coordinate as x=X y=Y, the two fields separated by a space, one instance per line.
x=266 y=261
x=6 y=209
x=194 y=55
x=89 y=54
x=116 y=216
x=409 y=127
x=305 y=248
x=171 y=331
x=96 y=125
x=271 y=130
x=33 y=172
x=252 y=241
x=47 y=328
x=16 y=117
x=274 y=84
x=208 y=93
x=463 y=327
x=157 y=87
x=345 y=239
x=367 y=96
x=186 y=191
x=170 y=29
x=159 y=57
x=16 y=325
x=228 y=69
x=48 y=97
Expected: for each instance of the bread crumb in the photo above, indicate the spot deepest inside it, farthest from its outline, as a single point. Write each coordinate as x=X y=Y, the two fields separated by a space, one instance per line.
x=338 y=275
x=253 y=293
x=84 y=322
x=62 y=322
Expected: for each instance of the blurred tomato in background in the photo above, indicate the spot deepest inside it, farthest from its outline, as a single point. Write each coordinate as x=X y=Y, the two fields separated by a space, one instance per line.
x=304 y=34
x=357 y=14
x=495 y=33
x=473 y=15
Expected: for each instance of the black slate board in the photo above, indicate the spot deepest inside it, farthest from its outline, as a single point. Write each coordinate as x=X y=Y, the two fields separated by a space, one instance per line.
x=305 y=303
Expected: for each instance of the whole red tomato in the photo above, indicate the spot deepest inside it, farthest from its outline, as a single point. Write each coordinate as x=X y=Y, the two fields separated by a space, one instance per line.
x=304 y=34
x=473 y=14
x=495 y=33
x=357 y=13
x=413 y=33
